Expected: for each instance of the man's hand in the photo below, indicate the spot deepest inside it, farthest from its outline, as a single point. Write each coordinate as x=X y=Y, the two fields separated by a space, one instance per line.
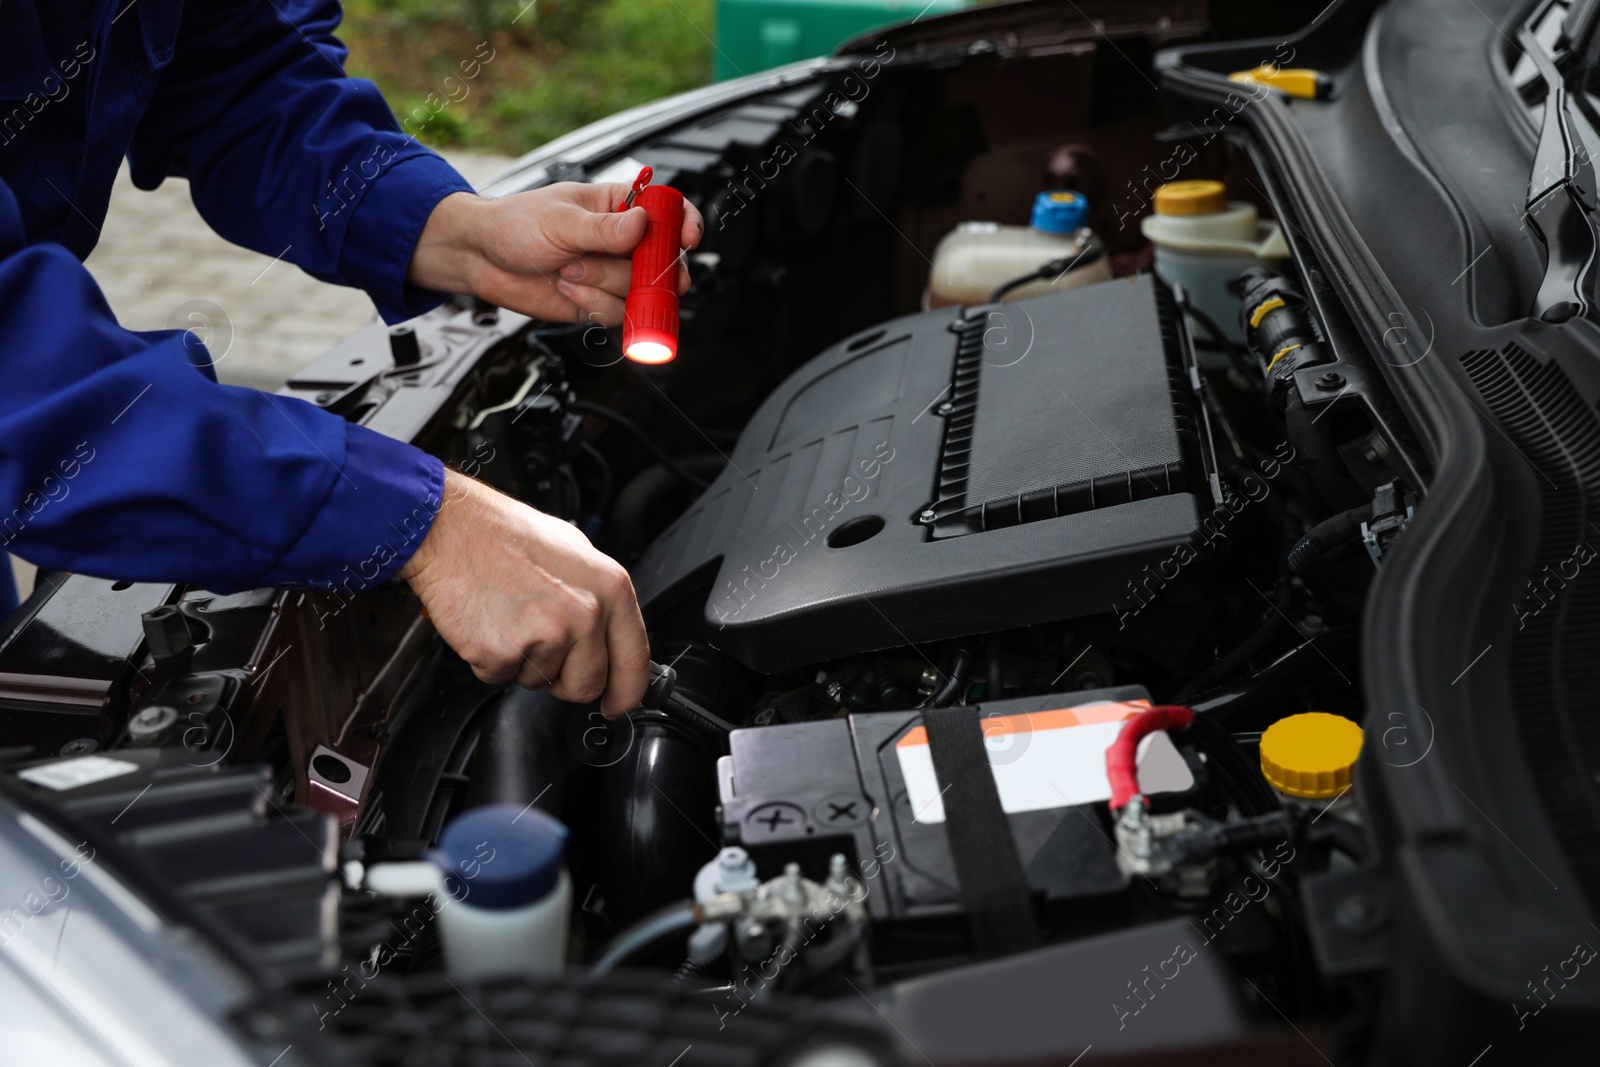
x=559 y=253
x=520 y=594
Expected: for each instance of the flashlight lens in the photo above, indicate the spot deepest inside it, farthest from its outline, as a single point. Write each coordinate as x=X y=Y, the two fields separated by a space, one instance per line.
x=649 y=352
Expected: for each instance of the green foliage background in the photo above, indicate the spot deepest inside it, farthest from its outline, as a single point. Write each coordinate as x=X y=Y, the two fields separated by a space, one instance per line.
x=557 y=64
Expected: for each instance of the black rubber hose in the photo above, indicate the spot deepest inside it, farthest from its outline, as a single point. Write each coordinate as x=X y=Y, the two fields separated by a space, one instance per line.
x=662 y=696
x=957 y=682
x=1236 y=773
x=649 y=498
x=1343 y=835
x=1273 y=686
x=1088 y=257
x=522 y=755
x=1314 y=550
x=1255 y=832
x=694 y=716
x=1231 y=661
x=1236 y=835
x=652 y=818
x=633 y=429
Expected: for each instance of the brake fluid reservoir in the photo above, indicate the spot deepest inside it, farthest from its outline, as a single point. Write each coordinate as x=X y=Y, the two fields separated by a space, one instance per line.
x=1310 y=757
x=510 y=898
x=976 y=258
x=1204 y=241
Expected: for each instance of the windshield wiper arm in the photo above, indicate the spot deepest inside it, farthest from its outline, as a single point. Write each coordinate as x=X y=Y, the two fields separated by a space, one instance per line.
x=1561 y=199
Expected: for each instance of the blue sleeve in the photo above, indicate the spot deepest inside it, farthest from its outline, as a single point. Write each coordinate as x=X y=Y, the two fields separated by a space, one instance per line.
x=121 y=457
x=286 y=154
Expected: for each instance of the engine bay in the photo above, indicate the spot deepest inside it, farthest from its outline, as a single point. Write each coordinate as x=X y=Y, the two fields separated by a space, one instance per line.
x=879 y=542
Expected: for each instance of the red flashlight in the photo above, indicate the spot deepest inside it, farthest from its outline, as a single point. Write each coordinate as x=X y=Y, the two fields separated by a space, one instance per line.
x=650 y=318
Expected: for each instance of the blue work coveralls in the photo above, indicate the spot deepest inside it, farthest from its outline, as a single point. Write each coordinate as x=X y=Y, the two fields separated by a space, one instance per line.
x=119 y=455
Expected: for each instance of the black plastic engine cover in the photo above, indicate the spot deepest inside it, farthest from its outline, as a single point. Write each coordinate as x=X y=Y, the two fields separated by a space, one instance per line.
x=944 y=475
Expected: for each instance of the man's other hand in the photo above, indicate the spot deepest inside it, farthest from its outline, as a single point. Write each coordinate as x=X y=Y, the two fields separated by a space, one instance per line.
x=523 y=595
x=559 y=253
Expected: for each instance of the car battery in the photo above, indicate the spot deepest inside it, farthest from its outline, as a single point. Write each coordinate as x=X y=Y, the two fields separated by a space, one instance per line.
x=864 y=785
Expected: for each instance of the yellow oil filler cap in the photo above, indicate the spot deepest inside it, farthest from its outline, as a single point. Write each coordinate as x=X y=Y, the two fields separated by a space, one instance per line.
x=1195 y=197
x=1298 y=82
x=1310 y=755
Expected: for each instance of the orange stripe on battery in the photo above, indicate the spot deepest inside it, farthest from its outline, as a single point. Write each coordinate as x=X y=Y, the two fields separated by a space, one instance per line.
x=1031 y=721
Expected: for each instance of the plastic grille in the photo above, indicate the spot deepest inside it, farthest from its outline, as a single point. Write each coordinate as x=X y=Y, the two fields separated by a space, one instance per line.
x=1554 y=667
x=1137 y=446
x=622 y=1019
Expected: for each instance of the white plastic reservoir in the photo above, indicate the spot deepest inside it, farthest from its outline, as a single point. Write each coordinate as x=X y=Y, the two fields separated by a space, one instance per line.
x=510 y=896
x=976 y=258
x=1204 y=241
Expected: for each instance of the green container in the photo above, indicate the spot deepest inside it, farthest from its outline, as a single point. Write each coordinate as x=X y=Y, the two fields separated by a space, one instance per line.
x=755 y=35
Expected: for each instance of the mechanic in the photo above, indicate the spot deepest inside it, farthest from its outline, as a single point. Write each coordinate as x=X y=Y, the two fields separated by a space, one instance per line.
x=121 y=457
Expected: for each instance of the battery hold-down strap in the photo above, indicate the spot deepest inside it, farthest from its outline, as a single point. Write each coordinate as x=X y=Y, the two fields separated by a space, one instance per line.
x=994 y=887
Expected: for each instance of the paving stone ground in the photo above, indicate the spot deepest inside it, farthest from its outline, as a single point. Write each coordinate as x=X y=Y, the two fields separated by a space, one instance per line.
x=157 y=255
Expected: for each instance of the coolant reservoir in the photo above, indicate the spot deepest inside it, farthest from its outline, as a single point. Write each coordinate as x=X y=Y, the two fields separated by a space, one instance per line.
x=976 y=258
x=1204 y=241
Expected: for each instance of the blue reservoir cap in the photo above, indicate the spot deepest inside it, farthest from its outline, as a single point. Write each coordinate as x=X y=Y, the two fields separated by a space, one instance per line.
x=1060 y=211
x=500 y=856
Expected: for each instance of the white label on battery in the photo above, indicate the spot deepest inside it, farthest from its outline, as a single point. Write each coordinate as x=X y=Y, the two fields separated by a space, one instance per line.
x=1047 y=759
x=72 y=773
